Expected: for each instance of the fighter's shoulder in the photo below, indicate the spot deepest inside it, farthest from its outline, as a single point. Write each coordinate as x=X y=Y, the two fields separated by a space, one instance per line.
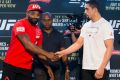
x=87 y=24
x=105 y=23
x=38 y=29
x=20 y=22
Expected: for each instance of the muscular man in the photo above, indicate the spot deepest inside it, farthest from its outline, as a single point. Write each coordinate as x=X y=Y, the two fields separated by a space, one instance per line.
x=26 y=40
x=97 y=39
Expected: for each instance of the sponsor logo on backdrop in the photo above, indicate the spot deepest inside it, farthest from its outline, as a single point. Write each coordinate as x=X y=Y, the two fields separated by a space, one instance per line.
x=116 y=25
x=113 y=5
x=7 y=24
x=46 y=1
x=61 y=22
x=80 y=2
x=114 y=74
x=3 y=49
x=7 y=4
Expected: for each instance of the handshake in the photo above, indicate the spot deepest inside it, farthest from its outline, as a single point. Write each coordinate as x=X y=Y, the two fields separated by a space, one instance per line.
x=54 y=56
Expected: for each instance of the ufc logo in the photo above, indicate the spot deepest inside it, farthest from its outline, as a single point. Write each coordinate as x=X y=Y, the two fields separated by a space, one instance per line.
x=6 y=24
x=116 y=25
x=36 y=6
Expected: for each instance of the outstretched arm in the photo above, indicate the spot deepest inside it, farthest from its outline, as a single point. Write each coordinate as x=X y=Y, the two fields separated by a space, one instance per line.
x=32 y=48
x=74 y=47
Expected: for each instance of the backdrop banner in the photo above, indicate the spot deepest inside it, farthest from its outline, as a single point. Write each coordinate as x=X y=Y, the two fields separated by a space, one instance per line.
x=65 y=13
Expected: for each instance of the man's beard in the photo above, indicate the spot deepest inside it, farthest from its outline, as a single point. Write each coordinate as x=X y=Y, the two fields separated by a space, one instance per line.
x=33 y=21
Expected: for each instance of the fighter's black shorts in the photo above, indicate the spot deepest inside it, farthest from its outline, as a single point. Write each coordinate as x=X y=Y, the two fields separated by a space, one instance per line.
x=14 y=73
x=90 y=75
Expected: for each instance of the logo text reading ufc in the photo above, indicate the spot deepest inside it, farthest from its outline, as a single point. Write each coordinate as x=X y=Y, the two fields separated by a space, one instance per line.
x=6 y=24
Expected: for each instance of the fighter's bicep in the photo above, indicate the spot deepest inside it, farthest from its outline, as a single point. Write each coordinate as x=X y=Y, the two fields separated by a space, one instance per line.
x=24 y=39
x=80 y=40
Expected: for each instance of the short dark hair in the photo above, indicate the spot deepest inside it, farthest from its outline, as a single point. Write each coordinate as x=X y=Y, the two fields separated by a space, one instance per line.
x=47 y=13
x=94 y=4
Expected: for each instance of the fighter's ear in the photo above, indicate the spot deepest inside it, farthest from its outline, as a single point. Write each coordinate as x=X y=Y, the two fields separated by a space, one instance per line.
x=96 y=10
